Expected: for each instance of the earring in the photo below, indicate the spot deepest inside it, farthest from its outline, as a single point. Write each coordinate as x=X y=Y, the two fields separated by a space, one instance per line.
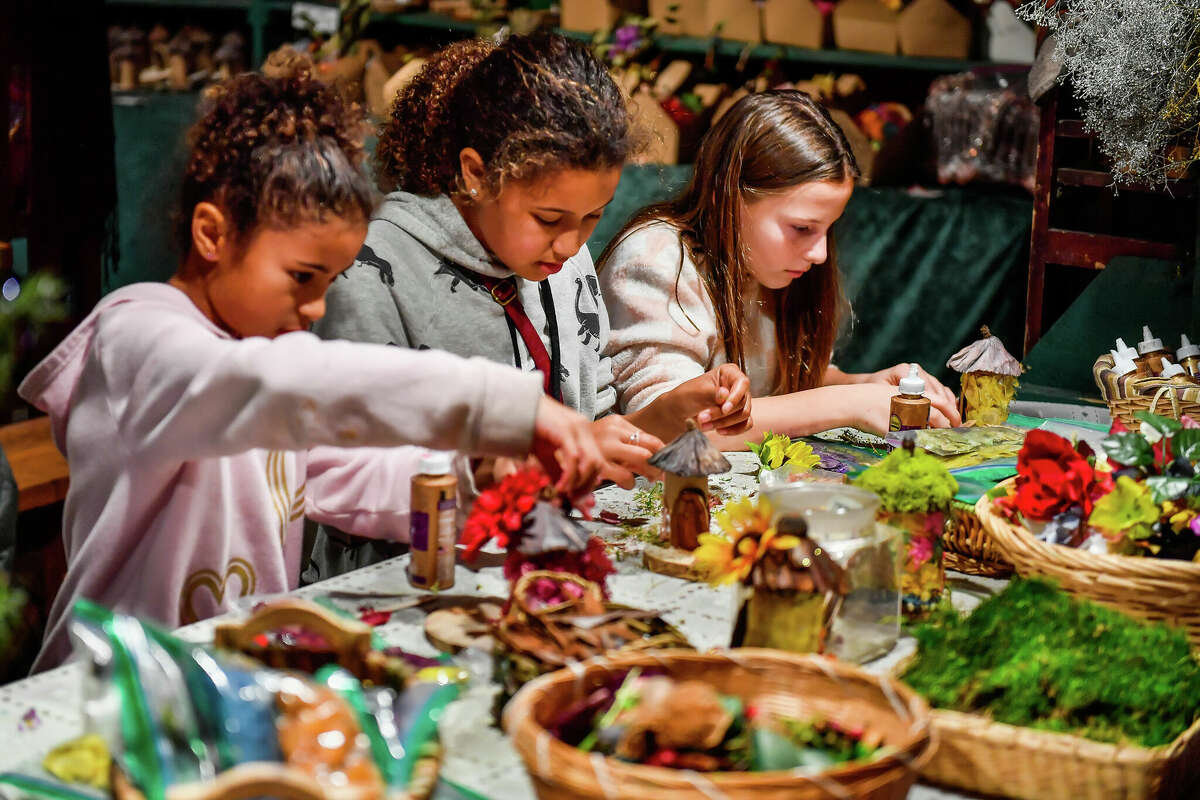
x=474 y=192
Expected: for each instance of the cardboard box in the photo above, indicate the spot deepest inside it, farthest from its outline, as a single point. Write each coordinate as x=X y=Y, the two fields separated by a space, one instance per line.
x=934 y=28
x=865 y=25
x=587 y=15
x=740 y=20
x=794 y=22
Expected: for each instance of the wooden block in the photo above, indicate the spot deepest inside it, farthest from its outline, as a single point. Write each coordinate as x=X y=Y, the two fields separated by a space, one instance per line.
x=865 y=25
x=794 y=22
x=934 y=28
x=860 y=145
x=39 y=468
x=728 y=103
x=673 y=562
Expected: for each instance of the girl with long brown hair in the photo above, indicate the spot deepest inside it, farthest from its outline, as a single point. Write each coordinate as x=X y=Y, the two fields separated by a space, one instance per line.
x=740 y=268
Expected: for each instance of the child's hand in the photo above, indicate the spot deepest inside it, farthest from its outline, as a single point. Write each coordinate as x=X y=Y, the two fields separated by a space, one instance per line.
x=565 y=446
x=942 y=398
x=869 y=407
x=626 y=449
x=719 y=400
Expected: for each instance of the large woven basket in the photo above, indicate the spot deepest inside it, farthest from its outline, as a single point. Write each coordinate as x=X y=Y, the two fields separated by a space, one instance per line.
x=986 y=757
x=969 y=548
x=784 y=683
x=1157 y=589
x=1165 y=402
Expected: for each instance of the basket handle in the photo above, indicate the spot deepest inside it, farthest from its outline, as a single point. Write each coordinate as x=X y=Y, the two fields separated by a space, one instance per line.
x=1171 y=392
x=242 y=782
x=525 y=581
x=347 y=636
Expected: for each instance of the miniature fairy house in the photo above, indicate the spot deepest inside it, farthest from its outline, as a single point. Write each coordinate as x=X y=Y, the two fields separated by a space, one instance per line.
x=686 y=463
x=989 y=379
x=794 y=594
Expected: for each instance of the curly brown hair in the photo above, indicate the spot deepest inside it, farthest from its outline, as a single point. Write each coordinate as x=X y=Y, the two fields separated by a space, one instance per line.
x=528 y=105
x=277 y=149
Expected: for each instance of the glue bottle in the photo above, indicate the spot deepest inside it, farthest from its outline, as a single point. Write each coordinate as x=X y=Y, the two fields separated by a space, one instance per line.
x=1125 y=351
x=1188 y=356
x=432 y=523
x=910 y=408
x=1151 y=351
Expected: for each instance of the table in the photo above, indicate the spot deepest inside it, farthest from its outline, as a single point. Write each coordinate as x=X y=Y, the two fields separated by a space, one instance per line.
x=39 y=469
x=477 y=755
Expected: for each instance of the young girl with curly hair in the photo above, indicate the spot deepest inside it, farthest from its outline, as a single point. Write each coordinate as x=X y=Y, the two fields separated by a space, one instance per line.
x=741 y=268
x=202 y=421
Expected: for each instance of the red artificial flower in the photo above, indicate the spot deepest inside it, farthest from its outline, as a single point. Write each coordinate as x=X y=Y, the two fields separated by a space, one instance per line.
x=500 y=510
x=1052 y=477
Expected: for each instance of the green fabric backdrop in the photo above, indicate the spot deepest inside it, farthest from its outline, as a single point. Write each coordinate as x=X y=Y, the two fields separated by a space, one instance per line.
x=922 y=273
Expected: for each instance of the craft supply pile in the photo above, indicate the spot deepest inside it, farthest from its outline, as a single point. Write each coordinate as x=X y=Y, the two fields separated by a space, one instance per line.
x=837 y=556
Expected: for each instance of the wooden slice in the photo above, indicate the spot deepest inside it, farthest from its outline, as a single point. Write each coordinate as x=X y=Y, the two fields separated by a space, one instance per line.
x=674 y=562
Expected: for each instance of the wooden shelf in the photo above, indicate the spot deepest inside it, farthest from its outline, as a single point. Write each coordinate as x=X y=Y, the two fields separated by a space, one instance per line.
x=1095 y=250
x=39 y=469
x=1098 y=179
x=724 y=47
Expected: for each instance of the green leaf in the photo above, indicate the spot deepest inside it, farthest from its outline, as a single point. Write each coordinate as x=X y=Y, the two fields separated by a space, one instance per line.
x=1128 y=450
x=1164 y=487
x=1187 y=444
x=1164 y=425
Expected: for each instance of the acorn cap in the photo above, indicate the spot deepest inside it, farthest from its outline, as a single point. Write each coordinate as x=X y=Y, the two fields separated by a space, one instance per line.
x=985 y=355
x=690 y=455
x=547 y=528
x=1186 y=349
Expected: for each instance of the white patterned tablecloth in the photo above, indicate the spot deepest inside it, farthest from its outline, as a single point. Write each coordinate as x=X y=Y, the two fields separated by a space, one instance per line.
x=42 y=711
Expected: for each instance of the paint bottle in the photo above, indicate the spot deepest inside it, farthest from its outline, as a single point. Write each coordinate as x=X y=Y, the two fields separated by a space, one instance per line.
x=432 y=523
x=1125 y=351
x=910 y=408
x=1188 y=356
x=1151 y=351
x=1187 y=388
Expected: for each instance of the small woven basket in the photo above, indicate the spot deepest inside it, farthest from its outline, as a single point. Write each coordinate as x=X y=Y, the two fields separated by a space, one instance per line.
x=968 y=548
x=1124 y=408
x=987 y=757
x=1157 y=589
x=782 y=683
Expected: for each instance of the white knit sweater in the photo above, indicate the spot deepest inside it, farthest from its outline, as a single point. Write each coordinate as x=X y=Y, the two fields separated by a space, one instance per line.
x=663 y=323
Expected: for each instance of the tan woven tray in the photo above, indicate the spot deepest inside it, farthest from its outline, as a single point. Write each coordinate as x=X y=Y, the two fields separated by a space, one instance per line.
x=1124 y=408
x=979 y=755
x=784 y=683
x=1157 y=589
x=969 y=549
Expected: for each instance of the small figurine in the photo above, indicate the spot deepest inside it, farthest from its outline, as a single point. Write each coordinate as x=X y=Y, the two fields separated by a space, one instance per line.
x=989 y=379
x=687 y=462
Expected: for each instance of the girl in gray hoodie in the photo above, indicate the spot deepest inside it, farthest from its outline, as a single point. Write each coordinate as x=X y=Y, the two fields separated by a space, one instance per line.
x=499 y=160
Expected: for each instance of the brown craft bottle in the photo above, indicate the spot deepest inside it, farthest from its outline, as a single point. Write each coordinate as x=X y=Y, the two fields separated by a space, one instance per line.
x=1188 y=356
x=1151 y=351
x=910 y=408
x=432 y=523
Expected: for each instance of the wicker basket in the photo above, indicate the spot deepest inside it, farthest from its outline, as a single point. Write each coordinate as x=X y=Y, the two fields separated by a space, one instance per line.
x=968 y=548
x=1157 y=589
x=1124 y=408
x=987 y=757
x=781 y=682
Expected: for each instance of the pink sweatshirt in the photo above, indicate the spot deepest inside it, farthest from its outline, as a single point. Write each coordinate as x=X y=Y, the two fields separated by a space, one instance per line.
x=196 y=456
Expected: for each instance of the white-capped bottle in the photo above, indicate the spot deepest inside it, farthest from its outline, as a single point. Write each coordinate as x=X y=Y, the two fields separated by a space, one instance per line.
x=910 y=409
x=1188 y=356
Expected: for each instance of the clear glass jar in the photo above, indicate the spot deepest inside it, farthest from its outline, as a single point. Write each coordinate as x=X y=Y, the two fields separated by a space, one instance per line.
x=842 y=519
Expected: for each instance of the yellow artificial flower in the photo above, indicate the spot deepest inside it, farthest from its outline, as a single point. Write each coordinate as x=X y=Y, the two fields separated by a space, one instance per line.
x=746 y=537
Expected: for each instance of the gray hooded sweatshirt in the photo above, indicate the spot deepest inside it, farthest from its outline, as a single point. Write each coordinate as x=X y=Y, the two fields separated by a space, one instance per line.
x=416 y=284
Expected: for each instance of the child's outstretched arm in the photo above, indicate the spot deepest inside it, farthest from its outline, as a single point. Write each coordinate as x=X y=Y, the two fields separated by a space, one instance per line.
x=181 y=393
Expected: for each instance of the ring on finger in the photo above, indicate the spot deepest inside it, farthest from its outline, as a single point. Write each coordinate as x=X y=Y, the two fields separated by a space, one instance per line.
x=635 y=437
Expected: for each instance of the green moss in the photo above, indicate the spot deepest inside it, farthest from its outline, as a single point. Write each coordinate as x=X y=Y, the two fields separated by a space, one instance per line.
x=649 y=501
x=1035 y=657
x=647 y=534
x=909 y=481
